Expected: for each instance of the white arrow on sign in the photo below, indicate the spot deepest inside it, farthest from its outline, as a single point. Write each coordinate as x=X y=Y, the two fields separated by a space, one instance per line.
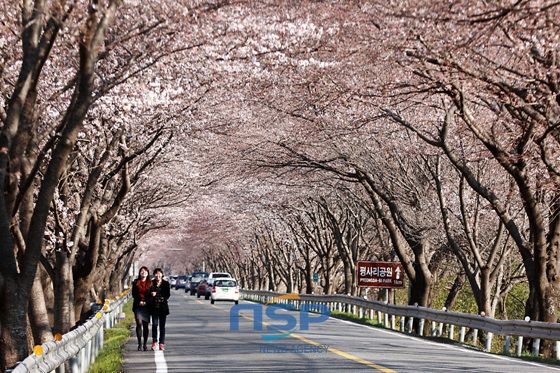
x=398 y=271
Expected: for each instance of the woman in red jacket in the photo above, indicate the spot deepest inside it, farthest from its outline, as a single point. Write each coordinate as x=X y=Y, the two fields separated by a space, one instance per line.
x=140 y=307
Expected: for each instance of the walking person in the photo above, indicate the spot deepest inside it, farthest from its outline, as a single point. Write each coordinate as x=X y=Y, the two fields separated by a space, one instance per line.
x=160 y=293
x=140 y=306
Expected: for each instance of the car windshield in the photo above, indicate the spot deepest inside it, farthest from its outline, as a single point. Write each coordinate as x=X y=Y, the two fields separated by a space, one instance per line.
x=220 y=275
x=196 y=279
x=226 y=283
x=200 y=274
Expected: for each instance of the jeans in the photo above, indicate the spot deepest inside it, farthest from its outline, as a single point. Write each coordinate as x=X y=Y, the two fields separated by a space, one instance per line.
x=158 y=320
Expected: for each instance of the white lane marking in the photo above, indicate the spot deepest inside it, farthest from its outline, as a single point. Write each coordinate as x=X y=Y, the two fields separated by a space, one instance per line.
x=161 y=365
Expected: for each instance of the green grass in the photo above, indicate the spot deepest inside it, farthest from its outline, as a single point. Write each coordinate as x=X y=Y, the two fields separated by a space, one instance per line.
x=110 y=358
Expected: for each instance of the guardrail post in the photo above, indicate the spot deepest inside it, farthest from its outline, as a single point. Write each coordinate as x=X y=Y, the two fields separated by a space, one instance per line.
x=379 y=317
x=386 y=320
x=475 y=336
x=519 y=346
x=462 y=334
x=451 y=331
x=89 y=355
x=393 y=322
x=433 y=330
x=410 y=324
x=488 y=342
x=73 y=364
x=81 y=360
x=536 y=347
x=421 y=327
x=440 y=329
x=557 y=350
x=506 y=344
x=101 y=338
x=361 y=312
x=403 y=322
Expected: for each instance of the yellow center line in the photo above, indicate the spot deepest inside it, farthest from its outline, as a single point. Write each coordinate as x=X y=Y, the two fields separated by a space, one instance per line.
x=334 y=350
x=199 y=301
x=338 y=352
x=348 y=356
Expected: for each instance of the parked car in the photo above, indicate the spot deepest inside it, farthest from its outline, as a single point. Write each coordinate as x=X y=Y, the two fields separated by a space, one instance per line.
x=212 y=276
x=195 y=280
x=181 y=280
x=202 y=289
x=224 y=289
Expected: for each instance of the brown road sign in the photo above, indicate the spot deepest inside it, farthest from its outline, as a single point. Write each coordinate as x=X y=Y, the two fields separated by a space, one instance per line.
x=380 y=274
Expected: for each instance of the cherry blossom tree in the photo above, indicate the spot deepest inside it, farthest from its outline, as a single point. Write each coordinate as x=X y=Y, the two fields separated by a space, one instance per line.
x=63 y=68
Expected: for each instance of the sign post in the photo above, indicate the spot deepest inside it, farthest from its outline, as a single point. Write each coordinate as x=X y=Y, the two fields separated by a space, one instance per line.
x=315 y=280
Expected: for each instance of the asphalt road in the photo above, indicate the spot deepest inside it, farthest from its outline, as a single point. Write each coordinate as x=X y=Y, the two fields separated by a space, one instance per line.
x=199 y=339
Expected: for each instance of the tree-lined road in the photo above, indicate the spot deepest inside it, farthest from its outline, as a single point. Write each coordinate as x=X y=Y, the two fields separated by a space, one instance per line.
x=199 y=339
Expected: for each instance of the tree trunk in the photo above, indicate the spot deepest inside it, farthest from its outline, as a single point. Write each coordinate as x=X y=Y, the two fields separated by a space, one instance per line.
x=61 y=290
x=38 y=316
x=455 y=290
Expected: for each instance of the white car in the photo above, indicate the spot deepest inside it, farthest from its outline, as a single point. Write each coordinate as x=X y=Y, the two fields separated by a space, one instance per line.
x=213 y=276
x=224 y=289
x=172 y=280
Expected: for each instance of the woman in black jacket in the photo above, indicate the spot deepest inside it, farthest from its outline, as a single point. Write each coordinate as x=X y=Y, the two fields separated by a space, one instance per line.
x=160 y=293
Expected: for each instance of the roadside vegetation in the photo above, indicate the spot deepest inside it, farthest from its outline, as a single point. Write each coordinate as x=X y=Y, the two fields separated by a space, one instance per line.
x=110 y=358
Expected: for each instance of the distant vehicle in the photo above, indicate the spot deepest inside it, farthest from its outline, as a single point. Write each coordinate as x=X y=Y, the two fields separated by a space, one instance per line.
x=202 y=289
x=200 y=274
x=172 y=280
x=212 y=276
x=224 y=289
x=195 y=280
x=188 y=284
x=180 y=282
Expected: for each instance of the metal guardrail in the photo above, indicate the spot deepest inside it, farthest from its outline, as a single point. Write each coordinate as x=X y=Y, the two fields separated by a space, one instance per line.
x=79 y=347
x=359 y=306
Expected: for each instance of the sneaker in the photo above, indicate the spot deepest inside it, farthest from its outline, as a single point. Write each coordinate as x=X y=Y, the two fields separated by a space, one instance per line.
x=154 y=346
x=161 y=347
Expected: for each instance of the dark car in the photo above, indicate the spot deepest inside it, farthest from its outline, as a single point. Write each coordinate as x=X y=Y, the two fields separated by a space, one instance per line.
x=201 y=289
x=195 y=280
x=200 y=274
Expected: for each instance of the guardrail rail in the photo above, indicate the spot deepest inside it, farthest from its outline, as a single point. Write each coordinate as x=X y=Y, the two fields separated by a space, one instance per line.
x=387 y=313
x=80 y=347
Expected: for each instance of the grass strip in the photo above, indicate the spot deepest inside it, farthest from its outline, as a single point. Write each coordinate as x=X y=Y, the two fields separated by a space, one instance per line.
x=110 y=358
